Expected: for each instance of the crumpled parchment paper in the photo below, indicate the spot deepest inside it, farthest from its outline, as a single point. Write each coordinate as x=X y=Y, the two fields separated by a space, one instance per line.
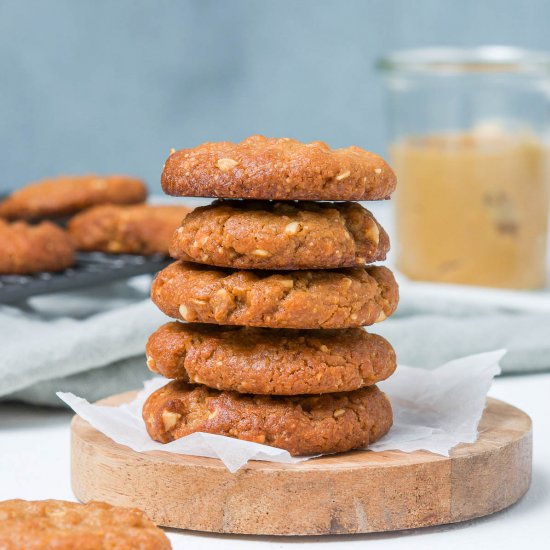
x=434 y=410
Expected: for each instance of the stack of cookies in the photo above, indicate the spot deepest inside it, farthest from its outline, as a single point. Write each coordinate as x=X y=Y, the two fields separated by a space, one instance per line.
x=274 y=289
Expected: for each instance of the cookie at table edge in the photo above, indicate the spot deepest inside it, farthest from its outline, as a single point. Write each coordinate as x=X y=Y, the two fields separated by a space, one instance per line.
x=35 y=525
x=277 y=169
x=302 y=425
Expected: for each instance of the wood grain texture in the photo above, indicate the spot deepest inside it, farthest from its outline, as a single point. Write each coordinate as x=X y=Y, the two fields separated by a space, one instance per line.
x=356 y=492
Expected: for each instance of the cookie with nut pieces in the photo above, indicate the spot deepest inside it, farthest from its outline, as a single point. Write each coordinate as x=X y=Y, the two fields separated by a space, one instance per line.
x=280 y=235
x=136 y=229
x=278 y=169
x=303 y=425
x=270 y=361
x=49 y=524
x=290 y=299
x=65 y=195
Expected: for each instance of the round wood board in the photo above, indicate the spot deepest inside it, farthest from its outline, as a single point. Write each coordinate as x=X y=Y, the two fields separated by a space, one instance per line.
x=355 y=492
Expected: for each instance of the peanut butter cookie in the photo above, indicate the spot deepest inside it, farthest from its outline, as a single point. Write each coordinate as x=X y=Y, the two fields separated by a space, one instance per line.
x=303 y=425
x=26 y=249
x=270 y=361
x=280 y=235
x=293 y=299
x=277 y=168
x=65 y=195
x=56 y=524
x=141 y=229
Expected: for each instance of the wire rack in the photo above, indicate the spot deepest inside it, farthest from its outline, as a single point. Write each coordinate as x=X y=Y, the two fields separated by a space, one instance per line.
x=90 y=268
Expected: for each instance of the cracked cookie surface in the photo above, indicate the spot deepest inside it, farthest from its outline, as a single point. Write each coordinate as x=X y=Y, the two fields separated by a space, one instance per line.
x=279 y=169
x=26 y=249
x=343 y=298
x=137 y=229
x=302 y=425
x=280 y=235
x=66 y=195
x=270 y=361
x=38 y=525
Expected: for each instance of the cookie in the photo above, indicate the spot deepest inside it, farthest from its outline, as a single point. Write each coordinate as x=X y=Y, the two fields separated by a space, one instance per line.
x=66 y=195
x=303 y=425
x=49 y=524
x=280 y=235
x=26 y=249
x=279 y=169
x=270 y=361
x=290 y=299
x=141 y=229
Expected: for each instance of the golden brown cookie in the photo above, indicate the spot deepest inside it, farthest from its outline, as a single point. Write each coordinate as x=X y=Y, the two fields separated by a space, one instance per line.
x=303 y=425
x=279 y=169
x=26 y=249
x=293 y=299
x=141 y=229
x=60 y=525
x=270 y=361
x=66 y=195
x=280 y=235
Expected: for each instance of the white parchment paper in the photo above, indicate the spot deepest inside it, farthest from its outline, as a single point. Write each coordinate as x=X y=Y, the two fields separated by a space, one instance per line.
x=434 y=410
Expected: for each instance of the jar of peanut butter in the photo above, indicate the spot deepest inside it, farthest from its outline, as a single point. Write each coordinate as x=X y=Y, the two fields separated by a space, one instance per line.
x=469 y=143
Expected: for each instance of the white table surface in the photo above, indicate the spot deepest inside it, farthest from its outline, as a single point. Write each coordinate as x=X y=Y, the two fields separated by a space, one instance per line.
x=34 y=464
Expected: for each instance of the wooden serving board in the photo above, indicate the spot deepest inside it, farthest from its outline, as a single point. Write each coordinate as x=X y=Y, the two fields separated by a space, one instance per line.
x=355 y=492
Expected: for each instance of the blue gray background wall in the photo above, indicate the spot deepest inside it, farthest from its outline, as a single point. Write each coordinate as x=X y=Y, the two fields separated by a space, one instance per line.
x=111 y=85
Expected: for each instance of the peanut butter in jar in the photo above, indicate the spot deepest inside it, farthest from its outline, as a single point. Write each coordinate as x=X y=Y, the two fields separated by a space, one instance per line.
x=472 y=208
x=469 y=130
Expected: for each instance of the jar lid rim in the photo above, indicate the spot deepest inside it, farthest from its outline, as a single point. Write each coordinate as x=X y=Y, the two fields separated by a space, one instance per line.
x=476 y=60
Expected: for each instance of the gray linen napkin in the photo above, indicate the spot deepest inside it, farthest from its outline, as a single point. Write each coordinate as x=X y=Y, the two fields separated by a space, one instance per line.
x=90 y=342
x=429 y=340
x=437 y=323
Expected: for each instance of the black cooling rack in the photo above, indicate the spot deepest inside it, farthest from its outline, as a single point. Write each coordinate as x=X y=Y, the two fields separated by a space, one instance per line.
x=90 y=268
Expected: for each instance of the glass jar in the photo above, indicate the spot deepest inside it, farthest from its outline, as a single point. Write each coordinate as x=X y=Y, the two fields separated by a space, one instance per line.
x=469 y=136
